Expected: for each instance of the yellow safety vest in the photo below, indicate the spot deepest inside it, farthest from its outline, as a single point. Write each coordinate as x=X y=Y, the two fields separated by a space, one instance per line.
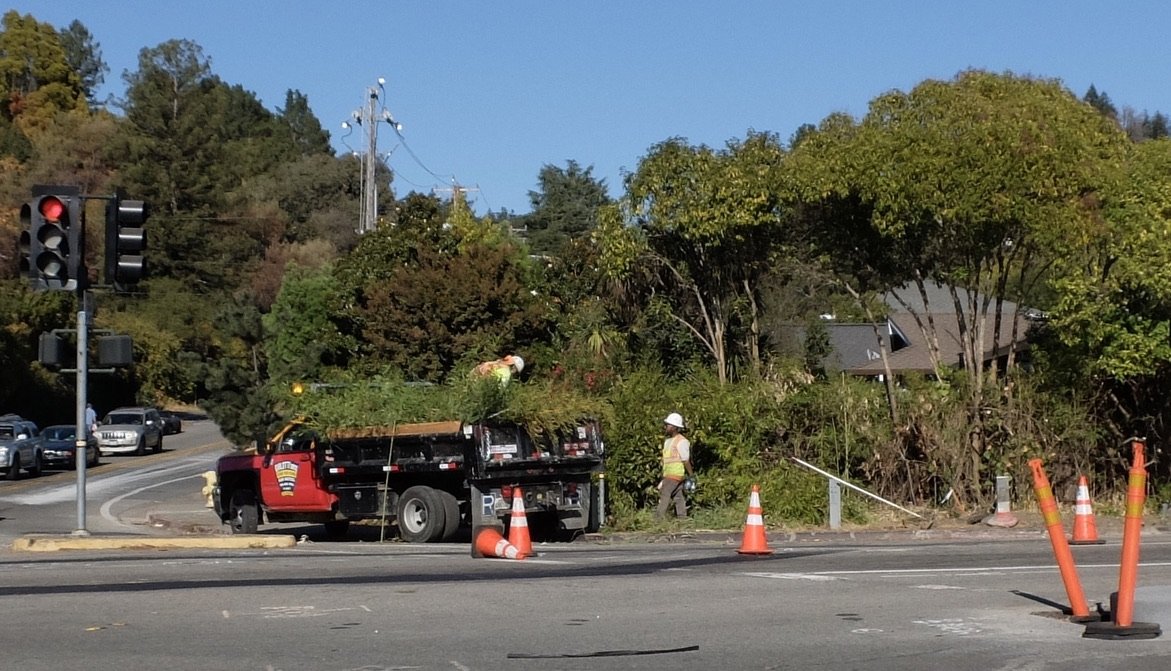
x=672 y=463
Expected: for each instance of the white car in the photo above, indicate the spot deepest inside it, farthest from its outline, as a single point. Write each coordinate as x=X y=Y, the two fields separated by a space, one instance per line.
x=130 y=431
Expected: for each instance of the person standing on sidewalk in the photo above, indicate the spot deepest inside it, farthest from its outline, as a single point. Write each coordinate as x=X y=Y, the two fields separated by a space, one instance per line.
x=676 y=467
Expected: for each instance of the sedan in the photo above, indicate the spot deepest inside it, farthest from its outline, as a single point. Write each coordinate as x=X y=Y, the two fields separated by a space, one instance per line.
x=60 y=446
x=172 y=424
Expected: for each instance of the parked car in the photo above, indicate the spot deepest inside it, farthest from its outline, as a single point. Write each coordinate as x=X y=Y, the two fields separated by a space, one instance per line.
x=131 y=430
x=20 y=447
x=60 y=445
x=172 y=423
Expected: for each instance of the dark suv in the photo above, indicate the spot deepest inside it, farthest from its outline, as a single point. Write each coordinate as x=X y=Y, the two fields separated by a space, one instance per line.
x=130 y=430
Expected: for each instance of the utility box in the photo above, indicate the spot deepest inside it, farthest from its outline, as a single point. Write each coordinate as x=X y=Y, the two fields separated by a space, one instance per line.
x=115 y=351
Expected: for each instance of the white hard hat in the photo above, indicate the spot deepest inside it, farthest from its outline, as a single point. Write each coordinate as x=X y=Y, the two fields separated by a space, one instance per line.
x=518 y=362
x=674 y=419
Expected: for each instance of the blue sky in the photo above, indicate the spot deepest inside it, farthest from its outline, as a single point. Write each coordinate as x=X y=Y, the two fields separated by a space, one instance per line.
x=489 y=92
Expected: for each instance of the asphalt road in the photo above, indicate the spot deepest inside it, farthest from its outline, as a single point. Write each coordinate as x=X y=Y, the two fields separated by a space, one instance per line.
x=120 y=493
x=907 y=604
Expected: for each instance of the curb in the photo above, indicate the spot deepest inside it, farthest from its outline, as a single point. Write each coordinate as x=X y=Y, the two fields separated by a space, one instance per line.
x=54 y=543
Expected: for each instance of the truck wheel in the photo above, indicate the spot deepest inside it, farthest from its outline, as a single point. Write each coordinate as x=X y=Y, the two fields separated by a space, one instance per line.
x=35 y=471
x=159 y=445
x=450 y=515
x=97 y=458
x=244 y=516
x=141 y=449
x=337 y=528
x=14 y=467
x=421 y=516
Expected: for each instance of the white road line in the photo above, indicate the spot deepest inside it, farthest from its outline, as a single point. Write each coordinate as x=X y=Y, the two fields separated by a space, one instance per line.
x=109 y=504
x=973 y=570
x=93 y=487
x=815 y=577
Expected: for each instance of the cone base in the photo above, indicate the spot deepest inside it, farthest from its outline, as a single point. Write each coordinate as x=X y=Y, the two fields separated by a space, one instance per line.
x=1096 y=541
x=754 y=552
x=1136 y=631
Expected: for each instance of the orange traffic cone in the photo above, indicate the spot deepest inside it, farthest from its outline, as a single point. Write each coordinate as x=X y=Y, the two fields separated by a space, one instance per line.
x=518 y=526
x=754 y=542
x=489 y=543
x=1085 y=529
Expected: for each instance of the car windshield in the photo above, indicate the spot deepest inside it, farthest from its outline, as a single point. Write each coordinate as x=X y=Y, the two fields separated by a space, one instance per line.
x=60 y=433
x=6 y=431
x=123 y=418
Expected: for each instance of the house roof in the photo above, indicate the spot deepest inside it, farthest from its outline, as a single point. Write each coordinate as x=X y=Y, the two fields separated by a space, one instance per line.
x=916 y=357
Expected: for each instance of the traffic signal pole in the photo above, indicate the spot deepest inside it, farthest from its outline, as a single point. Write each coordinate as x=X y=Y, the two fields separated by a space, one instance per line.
x=81 y=435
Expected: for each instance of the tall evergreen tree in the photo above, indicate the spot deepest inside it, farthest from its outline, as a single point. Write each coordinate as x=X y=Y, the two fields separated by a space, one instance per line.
x=85 y=57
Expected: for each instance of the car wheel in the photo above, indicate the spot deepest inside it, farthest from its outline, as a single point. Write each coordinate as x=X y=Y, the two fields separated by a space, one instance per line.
x=35 y=471
x=337 y=528
x=421 y=517
x=159 y=445
x=141 y=449
x=97 y=458
x=245 y=516
x=14 y=468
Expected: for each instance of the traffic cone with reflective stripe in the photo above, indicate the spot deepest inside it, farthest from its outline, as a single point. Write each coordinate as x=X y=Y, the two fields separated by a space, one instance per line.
x=518 y=526
x=754 y=541
x=489 y=543
x=1085 y=529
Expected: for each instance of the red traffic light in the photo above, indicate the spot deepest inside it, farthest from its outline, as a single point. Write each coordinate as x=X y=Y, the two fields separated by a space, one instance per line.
x=52 y=208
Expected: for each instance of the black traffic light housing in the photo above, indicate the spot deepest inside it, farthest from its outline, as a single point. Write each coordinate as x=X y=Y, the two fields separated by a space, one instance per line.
x=52 y=244
x=125 y=242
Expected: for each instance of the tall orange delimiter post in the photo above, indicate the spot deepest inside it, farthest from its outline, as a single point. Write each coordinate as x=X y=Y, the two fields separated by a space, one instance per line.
x=1136 y=496
x=1073 y=585
x=1123 y=626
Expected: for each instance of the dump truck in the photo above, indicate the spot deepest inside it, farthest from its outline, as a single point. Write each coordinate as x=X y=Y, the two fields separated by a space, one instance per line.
x=430 y=478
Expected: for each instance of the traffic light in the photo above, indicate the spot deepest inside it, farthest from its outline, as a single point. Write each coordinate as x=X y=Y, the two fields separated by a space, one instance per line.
x=125 y=242
x=53 y=242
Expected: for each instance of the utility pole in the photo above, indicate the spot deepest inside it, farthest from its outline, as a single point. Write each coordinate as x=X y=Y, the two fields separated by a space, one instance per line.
x=372 y=112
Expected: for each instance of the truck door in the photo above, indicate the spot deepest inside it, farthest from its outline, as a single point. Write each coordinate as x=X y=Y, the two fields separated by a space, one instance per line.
x=290 y=480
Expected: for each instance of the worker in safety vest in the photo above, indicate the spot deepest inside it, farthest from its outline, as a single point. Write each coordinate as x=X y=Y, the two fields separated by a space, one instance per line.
x=676 y=467
x=502 y=369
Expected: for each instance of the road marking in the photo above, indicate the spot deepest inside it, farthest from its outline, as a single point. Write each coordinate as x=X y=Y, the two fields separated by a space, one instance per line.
x=973 y=570
x=816 y=577
x=938 y=587
x=63 y=493
x=105 y=510
x=951 y=626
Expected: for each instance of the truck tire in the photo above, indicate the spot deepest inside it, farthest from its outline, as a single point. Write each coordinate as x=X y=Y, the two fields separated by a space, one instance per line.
x=35 y=471
x=337 y=528
x=159 y=445
x=141 y=449
x=244 y=516
x=14 y=467
x=451 y=515
x=421 y=515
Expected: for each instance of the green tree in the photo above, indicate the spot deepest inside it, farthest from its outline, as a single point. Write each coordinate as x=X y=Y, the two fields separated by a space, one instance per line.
x=301 y=338
x=37 y=78
x=304 y=127
x=1100 y=101
x=970 y=182
x=565 y=207
x=85 y=57
x=702 y=225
